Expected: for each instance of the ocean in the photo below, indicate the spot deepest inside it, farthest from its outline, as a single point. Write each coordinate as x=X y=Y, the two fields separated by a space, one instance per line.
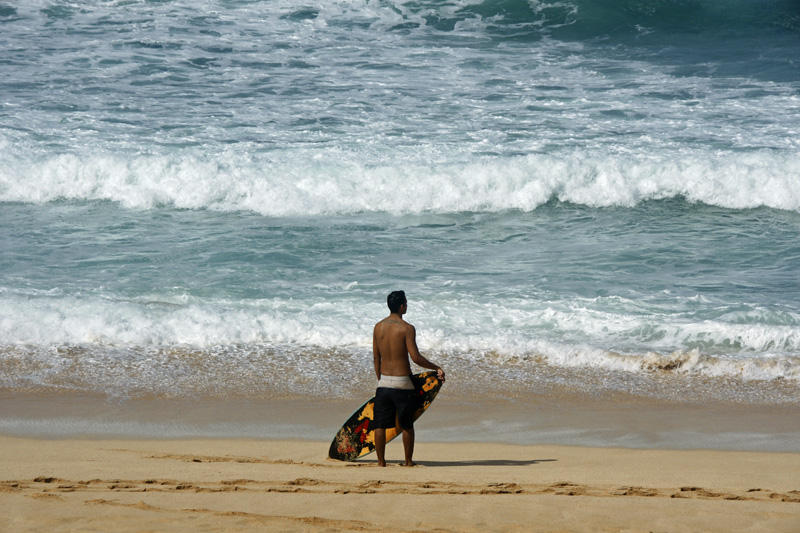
x=212 y=199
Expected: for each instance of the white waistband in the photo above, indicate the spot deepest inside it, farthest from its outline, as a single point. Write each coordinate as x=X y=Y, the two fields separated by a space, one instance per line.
x=396 y=382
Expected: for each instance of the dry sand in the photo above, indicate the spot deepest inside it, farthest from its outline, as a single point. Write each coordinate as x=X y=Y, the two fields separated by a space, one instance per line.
x=246 y=485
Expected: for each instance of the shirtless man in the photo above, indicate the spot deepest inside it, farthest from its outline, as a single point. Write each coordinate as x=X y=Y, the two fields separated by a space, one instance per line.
x=393 y=341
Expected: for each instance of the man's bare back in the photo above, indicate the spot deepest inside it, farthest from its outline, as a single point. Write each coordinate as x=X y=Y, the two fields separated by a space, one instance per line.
x=393 y=341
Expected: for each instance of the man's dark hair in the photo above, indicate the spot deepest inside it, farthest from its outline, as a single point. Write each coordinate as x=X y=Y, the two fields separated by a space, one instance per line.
x=395 y=300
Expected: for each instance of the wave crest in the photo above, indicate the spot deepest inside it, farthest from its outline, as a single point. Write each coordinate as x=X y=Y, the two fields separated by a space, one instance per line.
x=335 y=183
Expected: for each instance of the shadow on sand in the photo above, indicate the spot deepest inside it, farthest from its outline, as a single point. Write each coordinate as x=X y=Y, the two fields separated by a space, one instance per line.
x=486 y=462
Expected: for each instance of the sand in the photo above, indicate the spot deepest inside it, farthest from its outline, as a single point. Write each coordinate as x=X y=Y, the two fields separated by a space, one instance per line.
x=246 y=485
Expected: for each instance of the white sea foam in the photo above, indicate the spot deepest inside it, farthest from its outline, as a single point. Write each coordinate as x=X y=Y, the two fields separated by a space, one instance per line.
x=514 y=334
x=328 y=182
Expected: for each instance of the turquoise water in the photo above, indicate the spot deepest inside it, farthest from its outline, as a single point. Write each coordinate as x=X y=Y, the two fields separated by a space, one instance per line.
x=198 y=197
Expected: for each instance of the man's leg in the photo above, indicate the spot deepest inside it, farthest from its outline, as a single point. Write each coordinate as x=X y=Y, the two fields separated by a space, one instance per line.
x=382 y=412
x=380 y=445
x=408 y=445
x=405 y=414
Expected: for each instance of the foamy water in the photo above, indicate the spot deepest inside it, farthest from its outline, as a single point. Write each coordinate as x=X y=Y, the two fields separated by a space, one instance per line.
x=332 y=181
x=197 y=198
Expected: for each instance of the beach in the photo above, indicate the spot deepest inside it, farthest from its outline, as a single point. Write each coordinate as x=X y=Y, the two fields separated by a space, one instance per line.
x=247 y=485
x=644 y=469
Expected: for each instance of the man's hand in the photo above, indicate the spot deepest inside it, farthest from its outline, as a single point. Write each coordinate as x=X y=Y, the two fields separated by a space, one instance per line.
x=440 y=374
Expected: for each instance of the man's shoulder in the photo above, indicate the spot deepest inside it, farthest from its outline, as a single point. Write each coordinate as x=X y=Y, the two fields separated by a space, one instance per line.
x=408 y=329
x=391 y=321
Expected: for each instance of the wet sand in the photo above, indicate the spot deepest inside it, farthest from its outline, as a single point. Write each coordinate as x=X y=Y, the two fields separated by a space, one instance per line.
x=244 y=485
x=553 y=417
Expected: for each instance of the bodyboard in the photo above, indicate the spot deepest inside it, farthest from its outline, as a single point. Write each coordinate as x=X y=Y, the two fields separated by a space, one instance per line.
x=356 y=437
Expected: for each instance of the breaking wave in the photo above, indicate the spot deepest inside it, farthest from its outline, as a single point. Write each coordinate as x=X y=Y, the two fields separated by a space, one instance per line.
x=105 y=345
x=335 y=183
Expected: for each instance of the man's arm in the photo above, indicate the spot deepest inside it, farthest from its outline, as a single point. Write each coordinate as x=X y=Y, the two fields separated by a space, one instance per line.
x=376 y=353
x=413 y=351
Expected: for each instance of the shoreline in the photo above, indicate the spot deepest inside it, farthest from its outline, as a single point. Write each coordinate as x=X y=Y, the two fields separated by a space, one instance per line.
x=547 y=419
x=289 y=485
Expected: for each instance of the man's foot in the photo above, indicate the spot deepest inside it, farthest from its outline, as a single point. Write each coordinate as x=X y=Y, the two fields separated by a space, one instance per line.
x=409 y=463
x=381 y=463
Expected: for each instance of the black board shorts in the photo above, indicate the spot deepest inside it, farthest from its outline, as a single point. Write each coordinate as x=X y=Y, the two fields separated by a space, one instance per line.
x=391 y=403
